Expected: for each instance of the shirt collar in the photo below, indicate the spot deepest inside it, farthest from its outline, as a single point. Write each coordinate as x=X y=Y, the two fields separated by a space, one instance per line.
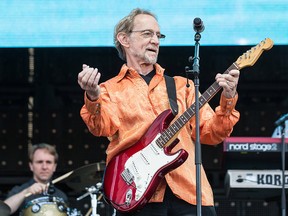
x=125 y=70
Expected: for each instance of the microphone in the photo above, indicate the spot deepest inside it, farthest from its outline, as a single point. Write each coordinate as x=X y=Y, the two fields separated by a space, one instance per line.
x=198 y=25
x=281 y=120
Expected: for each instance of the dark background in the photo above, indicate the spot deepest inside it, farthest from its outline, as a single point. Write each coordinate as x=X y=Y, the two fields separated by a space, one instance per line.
x=40 y=101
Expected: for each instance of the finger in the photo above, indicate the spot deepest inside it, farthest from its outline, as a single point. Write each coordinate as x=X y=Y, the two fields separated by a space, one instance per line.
x=36 y=190
x=85 y=75
x=223 y=77
x=45 y=189
x=83 y=72
x=84 y=66
x=91 y=79
x=218 y=75
x=234 y=73
x=234 y=77
x=96 y=79
x=228 y=78
x=229 y=84
x=225 y=83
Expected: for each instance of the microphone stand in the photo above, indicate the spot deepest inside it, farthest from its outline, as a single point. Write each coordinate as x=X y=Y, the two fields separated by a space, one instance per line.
x=283 y=151
x=195 y=71
x=92 y=191
x=281 y=123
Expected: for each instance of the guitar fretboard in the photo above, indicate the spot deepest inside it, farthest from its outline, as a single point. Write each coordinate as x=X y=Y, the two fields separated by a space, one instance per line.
x=174 y=128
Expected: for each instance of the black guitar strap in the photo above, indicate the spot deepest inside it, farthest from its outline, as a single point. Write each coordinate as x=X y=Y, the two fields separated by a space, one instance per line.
x=171 y=89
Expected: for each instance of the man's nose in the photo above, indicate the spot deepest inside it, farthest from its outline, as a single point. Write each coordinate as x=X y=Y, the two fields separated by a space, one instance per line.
x=155 y=39
x=44 y=165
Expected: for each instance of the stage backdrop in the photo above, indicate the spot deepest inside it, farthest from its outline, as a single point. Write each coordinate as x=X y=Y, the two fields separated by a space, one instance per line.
x=72 y=23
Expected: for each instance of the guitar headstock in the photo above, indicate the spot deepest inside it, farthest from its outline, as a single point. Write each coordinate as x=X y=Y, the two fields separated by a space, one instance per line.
x=251 y=56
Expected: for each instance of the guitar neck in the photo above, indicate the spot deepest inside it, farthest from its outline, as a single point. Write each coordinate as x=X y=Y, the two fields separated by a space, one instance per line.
x=245 y=60
x=174 y=128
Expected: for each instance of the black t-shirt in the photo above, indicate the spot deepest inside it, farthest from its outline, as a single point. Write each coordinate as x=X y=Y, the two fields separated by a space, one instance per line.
x=149 y=76
x=58 y=196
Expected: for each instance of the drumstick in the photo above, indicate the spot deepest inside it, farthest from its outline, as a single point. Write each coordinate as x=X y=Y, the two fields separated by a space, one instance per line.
x=101 y=195
x=88 y=212
x=61 y=177
x=54 y=181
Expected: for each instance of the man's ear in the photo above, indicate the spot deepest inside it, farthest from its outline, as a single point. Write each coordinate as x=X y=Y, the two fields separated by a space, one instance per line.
x=31 y=167
x=123 y=39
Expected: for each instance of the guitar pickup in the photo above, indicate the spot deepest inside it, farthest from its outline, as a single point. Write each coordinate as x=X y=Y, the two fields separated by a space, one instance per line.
x=127 y=176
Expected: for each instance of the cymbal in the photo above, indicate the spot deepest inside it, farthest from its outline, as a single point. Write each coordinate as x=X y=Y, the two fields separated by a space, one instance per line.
x=4 y=209
x=85 y=176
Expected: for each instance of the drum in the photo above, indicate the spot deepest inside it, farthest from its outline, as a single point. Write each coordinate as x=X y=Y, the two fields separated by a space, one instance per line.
x=45 y=206
x=73 y=212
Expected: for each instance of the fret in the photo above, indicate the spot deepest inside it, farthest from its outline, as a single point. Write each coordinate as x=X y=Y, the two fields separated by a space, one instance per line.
x=161 y=142
x=158 y=143
x=214 y=90
x=178 y=123
x=201 y=102
x=170 y=133
x=191 y=110
x=204 y=97
x=165 y=136
x=187 y=115
x=176 y=129
x=208 y=92
x=173 y=128
x=183 y=118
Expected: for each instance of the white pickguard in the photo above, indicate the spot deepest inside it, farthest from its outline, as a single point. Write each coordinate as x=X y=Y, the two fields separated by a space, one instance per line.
x=144 y=164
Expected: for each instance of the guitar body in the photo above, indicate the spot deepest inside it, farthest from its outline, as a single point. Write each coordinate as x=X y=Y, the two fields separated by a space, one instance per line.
x=132 y=176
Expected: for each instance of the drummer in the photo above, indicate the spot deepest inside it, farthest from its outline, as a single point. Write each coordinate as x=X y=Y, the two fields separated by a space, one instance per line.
x=43 y=160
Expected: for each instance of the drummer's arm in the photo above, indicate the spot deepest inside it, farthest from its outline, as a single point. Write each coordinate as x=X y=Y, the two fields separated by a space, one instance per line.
x=15 y=201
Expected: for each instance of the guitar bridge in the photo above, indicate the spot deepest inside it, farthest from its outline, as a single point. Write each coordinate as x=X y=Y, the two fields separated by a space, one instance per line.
x=127 y=176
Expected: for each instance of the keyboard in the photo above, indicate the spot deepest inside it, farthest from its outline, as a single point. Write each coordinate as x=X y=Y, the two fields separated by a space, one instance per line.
x=253 y=144
x=254 y=183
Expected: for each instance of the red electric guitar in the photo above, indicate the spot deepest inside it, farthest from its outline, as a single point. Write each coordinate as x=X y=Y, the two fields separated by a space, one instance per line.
x=132 y=176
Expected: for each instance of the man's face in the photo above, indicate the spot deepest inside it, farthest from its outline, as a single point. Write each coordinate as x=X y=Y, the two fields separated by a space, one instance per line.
x=143 y=40
x=43 y=166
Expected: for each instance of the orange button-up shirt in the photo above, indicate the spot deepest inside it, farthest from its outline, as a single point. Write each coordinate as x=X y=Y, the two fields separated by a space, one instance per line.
x=127 y=107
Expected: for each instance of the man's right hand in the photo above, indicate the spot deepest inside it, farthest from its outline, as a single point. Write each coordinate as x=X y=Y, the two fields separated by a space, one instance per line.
x=36 y=188
x=88 y=80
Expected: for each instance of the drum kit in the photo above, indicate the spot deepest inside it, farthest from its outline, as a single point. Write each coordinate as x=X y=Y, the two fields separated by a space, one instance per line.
x=88 y=177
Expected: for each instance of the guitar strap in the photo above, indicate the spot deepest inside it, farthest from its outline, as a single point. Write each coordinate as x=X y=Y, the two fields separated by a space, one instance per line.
x=171 y=90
